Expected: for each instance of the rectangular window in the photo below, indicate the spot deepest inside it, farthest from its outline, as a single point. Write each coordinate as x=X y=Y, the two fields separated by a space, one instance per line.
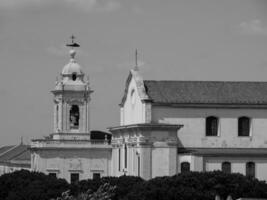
x=243 y=126
x=74 y=178
x=211 y=126
x=96 y=176
x=53 y=174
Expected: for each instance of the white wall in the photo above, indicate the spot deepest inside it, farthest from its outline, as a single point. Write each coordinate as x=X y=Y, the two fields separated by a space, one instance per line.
x=193 y=132
x=64 y=162
x=133 y=111
x=238 y=165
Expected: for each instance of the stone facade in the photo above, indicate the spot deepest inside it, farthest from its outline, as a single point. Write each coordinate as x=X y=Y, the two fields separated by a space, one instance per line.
x=70 y=152
x=196 y=150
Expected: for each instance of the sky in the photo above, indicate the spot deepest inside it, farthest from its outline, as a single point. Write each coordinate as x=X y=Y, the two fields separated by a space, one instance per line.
x=176 y=40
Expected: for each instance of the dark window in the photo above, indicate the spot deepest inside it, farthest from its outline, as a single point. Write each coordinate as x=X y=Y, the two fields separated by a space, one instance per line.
x=119 y=159
x=96 y=175
x=185 y=167
x=243 y=126
x=226 y=167
x=74 y=117
x=211 y=126
x=250 y=169
x=53 y=174
x=125 y=156
x=74 y=178
x=74 y=76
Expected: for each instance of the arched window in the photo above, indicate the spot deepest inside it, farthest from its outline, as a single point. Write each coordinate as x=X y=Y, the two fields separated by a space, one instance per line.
x=226 y=167
x=250 y=169
x=74 y=76
x=185 y=167
x=243 y=126
x=211 y=126
x=74 y=117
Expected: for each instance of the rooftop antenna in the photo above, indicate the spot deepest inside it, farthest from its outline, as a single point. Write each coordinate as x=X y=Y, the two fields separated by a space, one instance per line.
x=21 y=140
x=136 y=60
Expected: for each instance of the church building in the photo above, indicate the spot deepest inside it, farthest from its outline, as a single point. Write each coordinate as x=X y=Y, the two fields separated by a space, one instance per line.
x=165 y=128
x=169 y=127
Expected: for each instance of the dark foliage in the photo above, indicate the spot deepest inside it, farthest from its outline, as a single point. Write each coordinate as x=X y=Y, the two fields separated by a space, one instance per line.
x=198 y=186
x=124 y=184
x=25 y=185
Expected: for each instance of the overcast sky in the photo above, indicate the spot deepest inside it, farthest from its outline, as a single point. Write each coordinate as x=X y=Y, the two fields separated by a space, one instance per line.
x=179 y=40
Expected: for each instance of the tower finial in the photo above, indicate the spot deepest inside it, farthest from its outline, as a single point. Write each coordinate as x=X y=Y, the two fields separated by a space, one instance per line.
x=73 y=44
x=136 y=61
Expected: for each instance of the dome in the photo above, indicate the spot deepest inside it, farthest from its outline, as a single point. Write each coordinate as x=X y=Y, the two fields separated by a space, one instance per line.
x=72 y=67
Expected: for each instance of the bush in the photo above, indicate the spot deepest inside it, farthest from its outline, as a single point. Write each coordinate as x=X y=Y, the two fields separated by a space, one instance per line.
x=198 y=186
x=25 y=185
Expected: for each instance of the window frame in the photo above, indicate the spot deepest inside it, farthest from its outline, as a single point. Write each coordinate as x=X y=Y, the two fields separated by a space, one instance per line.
x=226 y=167
x=248 y=171
x=188 y=166
x=209 y=126
x=77 y=179
x=241 y=130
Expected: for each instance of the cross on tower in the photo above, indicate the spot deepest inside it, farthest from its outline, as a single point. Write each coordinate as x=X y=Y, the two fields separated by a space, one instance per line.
x=73 y=44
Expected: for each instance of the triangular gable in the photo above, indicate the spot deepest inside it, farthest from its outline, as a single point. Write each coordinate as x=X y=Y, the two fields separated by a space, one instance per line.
x=134 y=74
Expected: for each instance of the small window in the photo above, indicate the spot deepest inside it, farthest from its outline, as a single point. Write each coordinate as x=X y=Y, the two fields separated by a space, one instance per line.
x=96 y=176
x=243 y=126
x=211 y=126
x=74 y=178
x=226 y=167
x=74 y=76
x=74 y=117
x=250 y=169
x=185 y=167
x=53 y=175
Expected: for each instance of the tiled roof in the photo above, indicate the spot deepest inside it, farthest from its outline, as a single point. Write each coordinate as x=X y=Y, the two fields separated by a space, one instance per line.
x=207 y=92
x=19 y=152
x=224 y=151
x=5 y=149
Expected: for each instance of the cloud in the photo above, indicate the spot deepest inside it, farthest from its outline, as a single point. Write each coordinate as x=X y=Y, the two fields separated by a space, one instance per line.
x=84 y=5
x=253 y=27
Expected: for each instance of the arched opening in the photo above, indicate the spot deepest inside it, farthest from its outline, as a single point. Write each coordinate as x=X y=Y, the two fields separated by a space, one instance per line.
x=250 y=169
x=243 y=126
x=74 y=117
x=211 y=126
x=74 y=76
x=226 y=167
x=185 y=167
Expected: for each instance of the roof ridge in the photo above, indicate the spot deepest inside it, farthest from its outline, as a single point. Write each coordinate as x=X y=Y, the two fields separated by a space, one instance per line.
x=13 y=147
x=203 y=81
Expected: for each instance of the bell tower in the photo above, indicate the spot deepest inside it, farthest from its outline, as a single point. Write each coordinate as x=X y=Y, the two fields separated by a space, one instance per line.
x=71 y=101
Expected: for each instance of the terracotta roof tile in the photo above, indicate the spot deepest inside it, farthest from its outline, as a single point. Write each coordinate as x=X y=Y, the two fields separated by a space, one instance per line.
x=207 y=92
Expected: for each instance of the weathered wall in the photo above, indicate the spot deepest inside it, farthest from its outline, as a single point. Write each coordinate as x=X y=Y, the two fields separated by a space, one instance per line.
x=193 y=133
x=65 y=162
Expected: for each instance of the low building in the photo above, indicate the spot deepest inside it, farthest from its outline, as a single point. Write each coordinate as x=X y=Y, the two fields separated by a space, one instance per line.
x=14 y=158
